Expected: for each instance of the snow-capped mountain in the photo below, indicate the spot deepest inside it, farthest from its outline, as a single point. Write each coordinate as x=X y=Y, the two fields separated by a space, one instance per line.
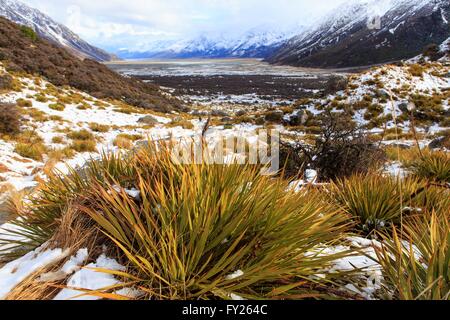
x=51 y=30
x=259 y=42
x=369 y=32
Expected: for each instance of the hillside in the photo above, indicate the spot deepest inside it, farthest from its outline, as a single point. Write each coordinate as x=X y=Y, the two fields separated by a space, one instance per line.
x=343 y=39
x=22 y=51
x=51 y=30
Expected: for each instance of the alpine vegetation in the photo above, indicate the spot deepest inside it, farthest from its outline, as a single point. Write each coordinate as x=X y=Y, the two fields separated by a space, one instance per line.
x=223 y=178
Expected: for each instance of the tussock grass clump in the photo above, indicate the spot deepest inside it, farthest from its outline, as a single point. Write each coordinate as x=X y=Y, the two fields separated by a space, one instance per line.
x=24 y=103
x=416 y=70
x=85 y=145
x=41 y=98
x=33 y=151
x=131 y=137
x=416 y=262
x=96 y=127
x=126 y=140
x=80 y=135
x=57 y=106
x=37 y=115
x=193 y=226
x=123 y=143
x=185 y=124
x=431 y=165
x=29 y=32
x=374 y=201
x=404 y=155
x=56 y=118
x=84 y=106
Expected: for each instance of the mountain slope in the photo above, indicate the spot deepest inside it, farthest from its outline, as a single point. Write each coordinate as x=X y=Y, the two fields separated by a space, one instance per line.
x=23 y=53
x=47 y=28
x=344 y=39
x=259 y=42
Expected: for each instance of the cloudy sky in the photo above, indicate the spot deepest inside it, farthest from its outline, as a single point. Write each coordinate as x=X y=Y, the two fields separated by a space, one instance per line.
x=114 y=24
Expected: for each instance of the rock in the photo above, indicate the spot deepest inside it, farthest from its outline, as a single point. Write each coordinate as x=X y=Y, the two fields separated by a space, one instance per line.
x=199 y=113
x=5 y=82
x=440 y=142
x=311 y=175
x=226 y=119
x=274 y=116
x=177 y=119
x=298 y=119
x=219 y=113
x=400 y=146
x=149 y=120
x=241 y=113
x=403 y=107
x=383 y=93
x=260 y=121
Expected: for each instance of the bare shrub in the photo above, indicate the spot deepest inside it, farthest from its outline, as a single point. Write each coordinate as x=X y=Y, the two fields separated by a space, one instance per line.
x=335 y=83
x=6 y=82
x=341 y=149
x=433 y=52
x=9 y=119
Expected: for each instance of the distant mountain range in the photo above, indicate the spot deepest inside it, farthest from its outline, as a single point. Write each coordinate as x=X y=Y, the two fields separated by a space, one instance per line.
x=358 y=33
x=51 y=30
x=259 y=42
x=345 y=39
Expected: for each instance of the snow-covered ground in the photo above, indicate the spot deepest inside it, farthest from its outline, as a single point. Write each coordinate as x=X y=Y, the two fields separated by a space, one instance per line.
x=18 y=173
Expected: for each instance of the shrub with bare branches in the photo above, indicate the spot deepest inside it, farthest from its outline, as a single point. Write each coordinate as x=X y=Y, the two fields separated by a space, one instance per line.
x=9 y=119
x=340 y=150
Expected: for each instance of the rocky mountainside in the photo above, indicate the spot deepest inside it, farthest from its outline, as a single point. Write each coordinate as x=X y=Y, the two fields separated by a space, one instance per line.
x=259 y=42
x=51 y=30
x=370 y=32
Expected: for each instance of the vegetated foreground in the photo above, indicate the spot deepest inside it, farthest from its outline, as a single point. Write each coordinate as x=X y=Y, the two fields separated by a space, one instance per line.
x=359 y=211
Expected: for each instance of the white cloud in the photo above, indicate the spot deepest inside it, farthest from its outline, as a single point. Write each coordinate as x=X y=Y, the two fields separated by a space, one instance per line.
x=127 y=23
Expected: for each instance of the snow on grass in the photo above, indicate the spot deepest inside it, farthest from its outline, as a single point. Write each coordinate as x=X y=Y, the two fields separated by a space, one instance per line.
x=16 y=170
x=10 y=232
x=20 y=173
x=365 y=262
x=89 y=279
x=396 y=169
x=71 y=266
x=17 y=271
x=235 y=275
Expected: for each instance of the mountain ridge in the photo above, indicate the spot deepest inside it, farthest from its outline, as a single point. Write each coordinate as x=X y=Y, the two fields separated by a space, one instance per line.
x=343 y=39
x=51 y=30
x=258 y=42
x=22 y=52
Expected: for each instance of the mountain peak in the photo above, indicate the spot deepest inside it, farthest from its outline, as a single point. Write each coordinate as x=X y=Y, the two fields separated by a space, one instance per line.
x=51 y=30
x=369 y=32
x=258 y=42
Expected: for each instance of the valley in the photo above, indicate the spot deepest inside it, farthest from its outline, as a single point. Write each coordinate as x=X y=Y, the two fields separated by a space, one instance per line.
x=243 y=82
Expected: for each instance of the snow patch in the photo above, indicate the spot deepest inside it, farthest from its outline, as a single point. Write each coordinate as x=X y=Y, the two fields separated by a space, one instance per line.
x=18 y=270
x=88 y=279
x=235 y=275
